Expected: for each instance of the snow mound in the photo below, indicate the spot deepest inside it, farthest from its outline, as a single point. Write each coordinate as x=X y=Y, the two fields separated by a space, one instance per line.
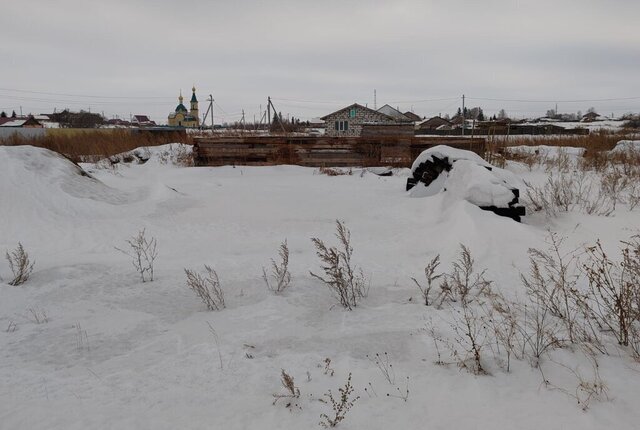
x=627 y=146
x=41 y=182
x=171 y=153
x=546 y=151
x=464 y=175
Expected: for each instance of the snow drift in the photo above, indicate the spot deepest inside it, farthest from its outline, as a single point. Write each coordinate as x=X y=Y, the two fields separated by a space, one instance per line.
x=627 y=146
x=41 y=183
x=171 y=153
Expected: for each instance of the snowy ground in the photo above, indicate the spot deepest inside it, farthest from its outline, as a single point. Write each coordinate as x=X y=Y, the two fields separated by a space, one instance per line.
x=117 y=353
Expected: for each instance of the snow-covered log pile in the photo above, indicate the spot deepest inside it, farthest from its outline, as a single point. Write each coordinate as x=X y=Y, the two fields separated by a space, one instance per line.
x=465 y=175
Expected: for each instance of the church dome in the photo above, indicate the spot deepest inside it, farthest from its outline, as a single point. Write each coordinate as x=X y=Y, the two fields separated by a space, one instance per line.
x=181 y=108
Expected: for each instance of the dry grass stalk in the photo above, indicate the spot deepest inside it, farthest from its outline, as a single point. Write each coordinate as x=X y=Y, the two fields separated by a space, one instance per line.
x=143 y=253
x=95 y=144
x=431 y=277
x=279 y=271
x=207 y=287
x=614 y=300
x=463 y=280
x=292 y=391
x=385 y=366
x=341 y=276
x=339 y=407
x=334 y=172
x=20 y=265
x=39 y=316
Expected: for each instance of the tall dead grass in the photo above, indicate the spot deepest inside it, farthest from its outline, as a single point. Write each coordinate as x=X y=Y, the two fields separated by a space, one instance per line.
x=95 y=144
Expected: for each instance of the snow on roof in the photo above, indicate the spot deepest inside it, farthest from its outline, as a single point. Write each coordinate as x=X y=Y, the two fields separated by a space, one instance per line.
x=14 y=123
x=393 y=112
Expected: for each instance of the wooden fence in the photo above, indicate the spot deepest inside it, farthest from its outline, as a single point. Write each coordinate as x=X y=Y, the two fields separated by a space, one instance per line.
x=319 y=151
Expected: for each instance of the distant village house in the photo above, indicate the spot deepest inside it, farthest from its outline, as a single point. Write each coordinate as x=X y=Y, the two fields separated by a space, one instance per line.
x=349 y=121
x=29 y=122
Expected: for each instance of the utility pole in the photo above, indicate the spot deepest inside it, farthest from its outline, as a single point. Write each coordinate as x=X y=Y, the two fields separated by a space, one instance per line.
x=463 y=119
x=209 y=108
x=375 y=101
x=269 y=112
x=211 y=104
x=275 y=115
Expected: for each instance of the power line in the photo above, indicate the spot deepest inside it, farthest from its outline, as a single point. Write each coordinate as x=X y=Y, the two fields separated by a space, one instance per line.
x=426 y=100
x=555 y=101
x=81 y=102
x=81 y=95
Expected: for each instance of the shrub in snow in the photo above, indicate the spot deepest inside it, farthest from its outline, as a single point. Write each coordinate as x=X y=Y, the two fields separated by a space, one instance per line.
x=551 y=281
x=207 y=287
x=569 y=191
x=340 y=407
x=177 y=154
x=466 y=176
x=20 y=265
x=143 y=253
x=464 y=284
x=279 y=271
x=614 y=299
x=340 y=274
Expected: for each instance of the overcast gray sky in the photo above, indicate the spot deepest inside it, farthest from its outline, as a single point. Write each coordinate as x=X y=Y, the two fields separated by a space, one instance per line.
x=313 y=57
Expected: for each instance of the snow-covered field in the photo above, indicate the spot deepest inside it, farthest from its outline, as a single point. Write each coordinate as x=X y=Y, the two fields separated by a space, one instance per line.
x=113 y=352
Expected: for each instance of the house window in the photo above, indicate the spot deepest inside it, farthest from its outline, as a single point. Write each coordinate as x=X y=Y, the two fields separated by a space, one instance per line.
x=342 y=125
x=352 y=113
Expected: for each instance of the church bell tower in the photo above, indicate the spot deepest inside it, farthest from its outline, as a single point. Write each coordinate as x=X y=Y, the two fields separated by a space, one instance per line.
x=194 y=105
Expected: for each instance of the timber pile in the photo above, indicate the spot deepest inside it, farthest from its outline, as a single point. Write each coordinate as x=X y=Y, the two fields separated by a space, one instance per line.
x=427 y=169
x=319 y=151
